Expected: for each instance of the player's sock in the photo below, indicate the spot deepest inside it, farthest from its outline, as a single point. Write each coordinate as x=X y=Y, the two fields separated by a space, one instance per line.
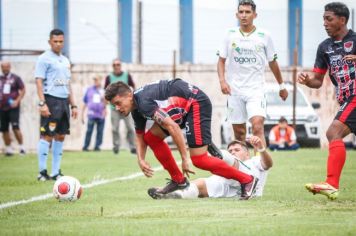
x=164 y=156
x=57 y=150
x=190 y=192
x=336 y=161
x=42 y=153
x=219 y=167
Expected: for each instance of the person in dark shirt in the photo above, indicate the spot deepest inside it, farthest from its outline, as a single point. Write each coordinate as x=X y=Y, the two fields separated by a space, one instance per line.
x=12 y=90
x=336 y=54
x=173 y=105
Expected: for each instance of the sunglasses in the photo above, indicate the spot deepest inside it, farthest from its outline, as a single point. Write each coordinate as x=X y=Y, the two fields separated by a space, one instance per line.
x=116 y=64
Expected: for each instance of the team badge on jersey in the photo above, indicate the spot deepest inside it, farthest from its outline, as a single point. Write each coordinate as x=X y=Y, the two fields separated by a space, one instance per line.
x=52 y=126
x=348 y=46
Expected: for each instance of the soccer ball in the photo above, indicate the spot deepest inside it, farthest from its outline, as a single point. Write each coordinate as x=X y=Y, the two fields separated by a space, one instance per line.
x=67 y=189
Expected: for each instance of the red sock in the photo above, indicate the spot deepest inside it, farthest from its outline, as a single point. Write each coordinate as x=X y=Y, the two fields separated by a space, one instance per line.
x=336 y=161
x=164 y=156
x=219 y=167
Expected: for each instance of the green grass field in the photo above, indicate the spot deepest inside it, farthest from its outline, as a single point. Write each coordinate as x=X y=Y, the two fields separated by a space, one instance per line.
x=285 y=209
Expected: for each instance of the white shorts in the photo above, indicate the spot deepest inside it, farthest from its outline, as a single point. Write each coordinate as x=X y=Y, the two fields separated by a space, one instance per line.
x=218 y=186
x=244 y=106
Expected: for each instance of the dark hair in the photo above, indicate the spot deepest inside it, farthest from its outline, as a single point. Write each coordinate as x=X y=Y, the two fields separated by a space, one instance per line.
x=55 y=32
x=233 y=142
x=282 y=119
x=114 y=89
x=339 y=9
x=247 y=2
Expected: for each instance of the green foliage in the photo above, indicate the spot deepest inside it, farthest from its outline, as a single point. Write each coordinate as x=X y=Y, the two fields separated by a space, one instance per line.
x=124 y=208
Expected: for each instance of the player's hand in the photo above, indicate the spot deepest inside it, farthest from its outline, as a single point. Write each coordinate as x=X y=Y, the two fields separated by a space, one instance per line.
x=225 y=88
x=255 y=141
x=283 y=94
x=44 y=111
x=186 y=169
x=74 y=112
x=146 y=168
x=303 y=78
x=350 y=57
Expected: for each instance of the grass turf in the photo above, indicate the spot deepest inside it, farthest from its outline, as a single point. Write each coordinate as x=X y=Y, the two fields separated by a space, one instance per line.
x=286 y=207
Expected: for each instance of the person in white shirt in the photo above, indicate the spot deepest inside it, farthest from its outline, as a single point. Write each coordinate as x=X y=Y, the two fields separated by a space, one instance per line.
x=219 y=187
x=246 y=50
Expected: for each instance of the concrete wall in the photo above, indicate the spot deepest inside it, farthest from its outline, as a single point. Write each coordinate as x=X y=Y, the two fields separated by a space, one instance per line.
x=204 y=76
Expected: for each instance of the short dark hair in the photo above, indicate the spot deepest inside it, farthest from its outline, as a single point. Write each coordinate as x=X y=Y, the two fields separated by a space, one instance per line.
x=339 y=9
x=247 y=2
x=282 y=119
x=114 y=89
x=233 y=142
x=55 y=32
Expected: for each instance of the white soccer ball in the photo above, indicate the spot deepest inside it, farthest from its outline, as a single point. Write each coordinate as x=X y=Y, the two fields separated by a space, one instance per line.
x=67 y=189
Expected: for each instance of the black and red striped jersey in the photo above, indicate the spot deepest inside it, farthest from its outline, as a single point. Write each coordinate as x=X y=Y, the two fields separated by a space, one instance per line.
x=342 y=73
x=172 y=97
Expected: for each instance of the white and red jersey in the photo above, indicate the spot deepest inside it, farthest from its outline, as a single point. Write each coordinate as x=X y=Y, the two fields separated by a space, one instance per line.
x=247 y=56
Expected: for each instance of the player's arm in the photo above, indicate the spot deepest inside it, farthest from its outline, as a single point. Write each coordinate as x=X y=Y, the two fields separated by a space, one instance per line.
x=141 y=148
x=266 y=159
x=73 y=107
x=44 y=108
x=225 y=88
x=312 y=81
x=165 y=121
x=273 y=65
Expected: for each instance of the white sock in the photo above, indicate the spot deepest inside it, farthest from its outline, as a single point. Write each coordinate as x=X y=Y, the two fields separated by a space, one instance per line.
x=190 y=192
x=8 y=149
x=228 y=157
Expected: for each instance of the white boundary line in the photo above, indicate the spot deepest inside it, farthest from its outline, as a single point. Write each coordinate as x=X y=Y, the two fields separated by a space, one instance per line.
x=89 y=185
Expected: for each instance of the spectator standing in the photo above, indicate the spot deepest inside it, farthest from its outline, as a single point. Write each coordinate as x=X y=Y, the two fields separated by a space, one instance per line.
x=119 y=75
x=12 y=90
x=282 y=136
x=54 y=91
x=95 y=102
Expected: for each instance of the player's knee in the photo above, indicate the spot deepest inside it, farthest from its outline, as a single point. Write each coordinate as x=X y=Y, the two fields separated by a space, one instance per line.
x=257 y=129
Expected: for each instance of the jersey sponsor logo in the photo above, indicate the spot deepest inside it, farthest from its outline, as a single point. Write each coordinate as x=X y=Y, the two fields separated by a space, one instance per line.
x=61 y=82
x=245 y=60
x=261 y=34
x=348 y=46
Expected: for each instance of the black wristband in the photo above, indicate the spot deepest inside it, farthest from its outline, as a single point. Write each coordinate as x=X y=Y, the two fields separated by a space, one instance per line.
x=73 y=106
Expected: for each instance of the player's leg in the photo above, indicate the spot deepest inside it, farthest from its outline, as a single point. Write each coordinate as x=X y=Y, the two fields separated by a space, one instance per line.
x=63 y=127
x=198 y=125
x=196 y=189
x=115 y=128
x=237 y=115
x=154 y=138
x=256 y=113
x=88 y=134
x=343 y=124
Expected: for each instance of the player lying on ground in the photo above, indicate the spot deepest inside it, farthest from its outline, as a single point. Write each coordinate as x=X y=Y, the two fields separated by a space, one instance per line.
x=217 y=186
x=173 y=105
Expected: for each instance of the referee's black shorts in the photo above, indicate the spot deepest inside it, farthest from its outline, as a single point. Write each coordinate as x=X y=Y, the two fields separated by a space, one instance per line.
x=58 y=121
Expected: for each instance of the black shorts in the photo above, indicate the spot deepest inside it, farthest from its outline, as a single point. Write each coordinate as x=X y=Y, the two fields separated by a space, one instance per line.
x=347 y=113
x=8 y=117
x=198 y=121
x=58 y=121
